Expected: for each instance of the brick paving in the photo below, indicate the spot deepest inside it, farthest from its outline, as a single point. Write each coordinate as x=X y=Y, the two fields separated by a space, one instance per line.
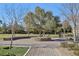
x=49 y=52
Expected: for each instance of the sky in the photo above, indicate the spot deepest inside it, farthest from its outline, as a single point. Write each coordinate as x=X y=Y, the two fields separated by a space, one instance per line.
x=21 y=7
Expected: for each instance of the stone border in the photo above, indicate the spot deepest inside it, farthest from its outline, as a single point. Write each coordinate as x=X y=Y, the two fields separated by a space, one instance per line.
x=27 y=51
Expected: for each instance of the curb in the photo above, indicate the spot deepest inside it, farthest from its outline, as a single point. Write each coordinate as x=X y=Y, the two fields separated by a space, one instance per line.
x=27 y=51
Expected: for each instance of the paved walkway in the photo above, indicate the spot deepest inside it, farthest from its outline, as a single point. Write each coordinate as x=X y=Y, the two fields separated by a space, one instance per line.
x=49 y=52
x=40 y=48
x=31 y=42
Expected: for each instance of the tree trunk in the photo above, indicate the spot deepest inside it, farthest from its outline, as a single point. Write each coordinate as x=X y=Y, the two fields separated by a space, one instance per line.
x=64 y=33
x=43 y=33
x=40 y=33
x=28 y=33
x=55 y=33
x=11 y=41
x=74 y=32
x=12 y=38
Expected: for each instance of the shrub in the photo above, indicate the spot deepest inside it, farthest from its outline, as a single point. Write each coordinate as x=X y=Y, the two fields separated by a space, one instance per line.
x=7 y=47
x=70 y=35
x=76 y=53
x=66 y=45
x=43 y=39
x=71 y=45
x=75 y=48
x=70 y=39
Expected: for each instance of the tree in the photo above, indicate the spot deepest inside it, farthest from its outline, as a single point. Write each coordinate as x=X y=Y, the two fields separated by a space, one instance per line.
x=14 y=14
x=71 y=13
x=57 y=24
x=4 y=28
x=0 y=22
x=47 y=21
x=40 y=18
x=50 y=22
x=16 y=26
x=0 y=26
x=66 y=26
x=28 y=19
x=41 y=21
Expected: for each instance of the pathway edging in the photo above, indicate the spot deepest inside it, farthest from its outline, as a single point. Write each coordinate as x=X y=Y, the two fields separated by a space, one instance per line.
x=27 y=51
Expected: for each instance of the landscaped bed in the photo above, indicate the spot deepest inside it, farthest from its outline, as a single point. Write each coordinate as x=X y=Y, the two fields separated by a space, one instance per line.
x=74 y=47
x=43 y=39
x=14 y=51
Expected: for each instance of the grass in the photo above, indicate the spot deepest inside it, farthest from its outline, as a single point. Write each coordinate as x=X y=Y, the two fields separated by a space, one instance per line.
x=17 y=35
x=9 y=35
x=15 y=51
x=50 y=35
x=54 y=36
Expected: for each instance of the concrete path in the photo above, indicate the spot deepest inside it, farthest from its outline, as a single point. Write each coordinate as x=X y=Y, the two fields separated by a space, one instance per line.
x=31 y=42
x=49 y=52
x=40 y=48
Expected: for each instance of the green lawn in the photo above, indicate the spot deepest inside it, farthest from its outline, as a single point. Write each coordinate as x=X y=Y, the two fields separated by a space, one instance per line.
x=15 y=51
x=53 y=35
x=16 y=35
x=9 y=35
